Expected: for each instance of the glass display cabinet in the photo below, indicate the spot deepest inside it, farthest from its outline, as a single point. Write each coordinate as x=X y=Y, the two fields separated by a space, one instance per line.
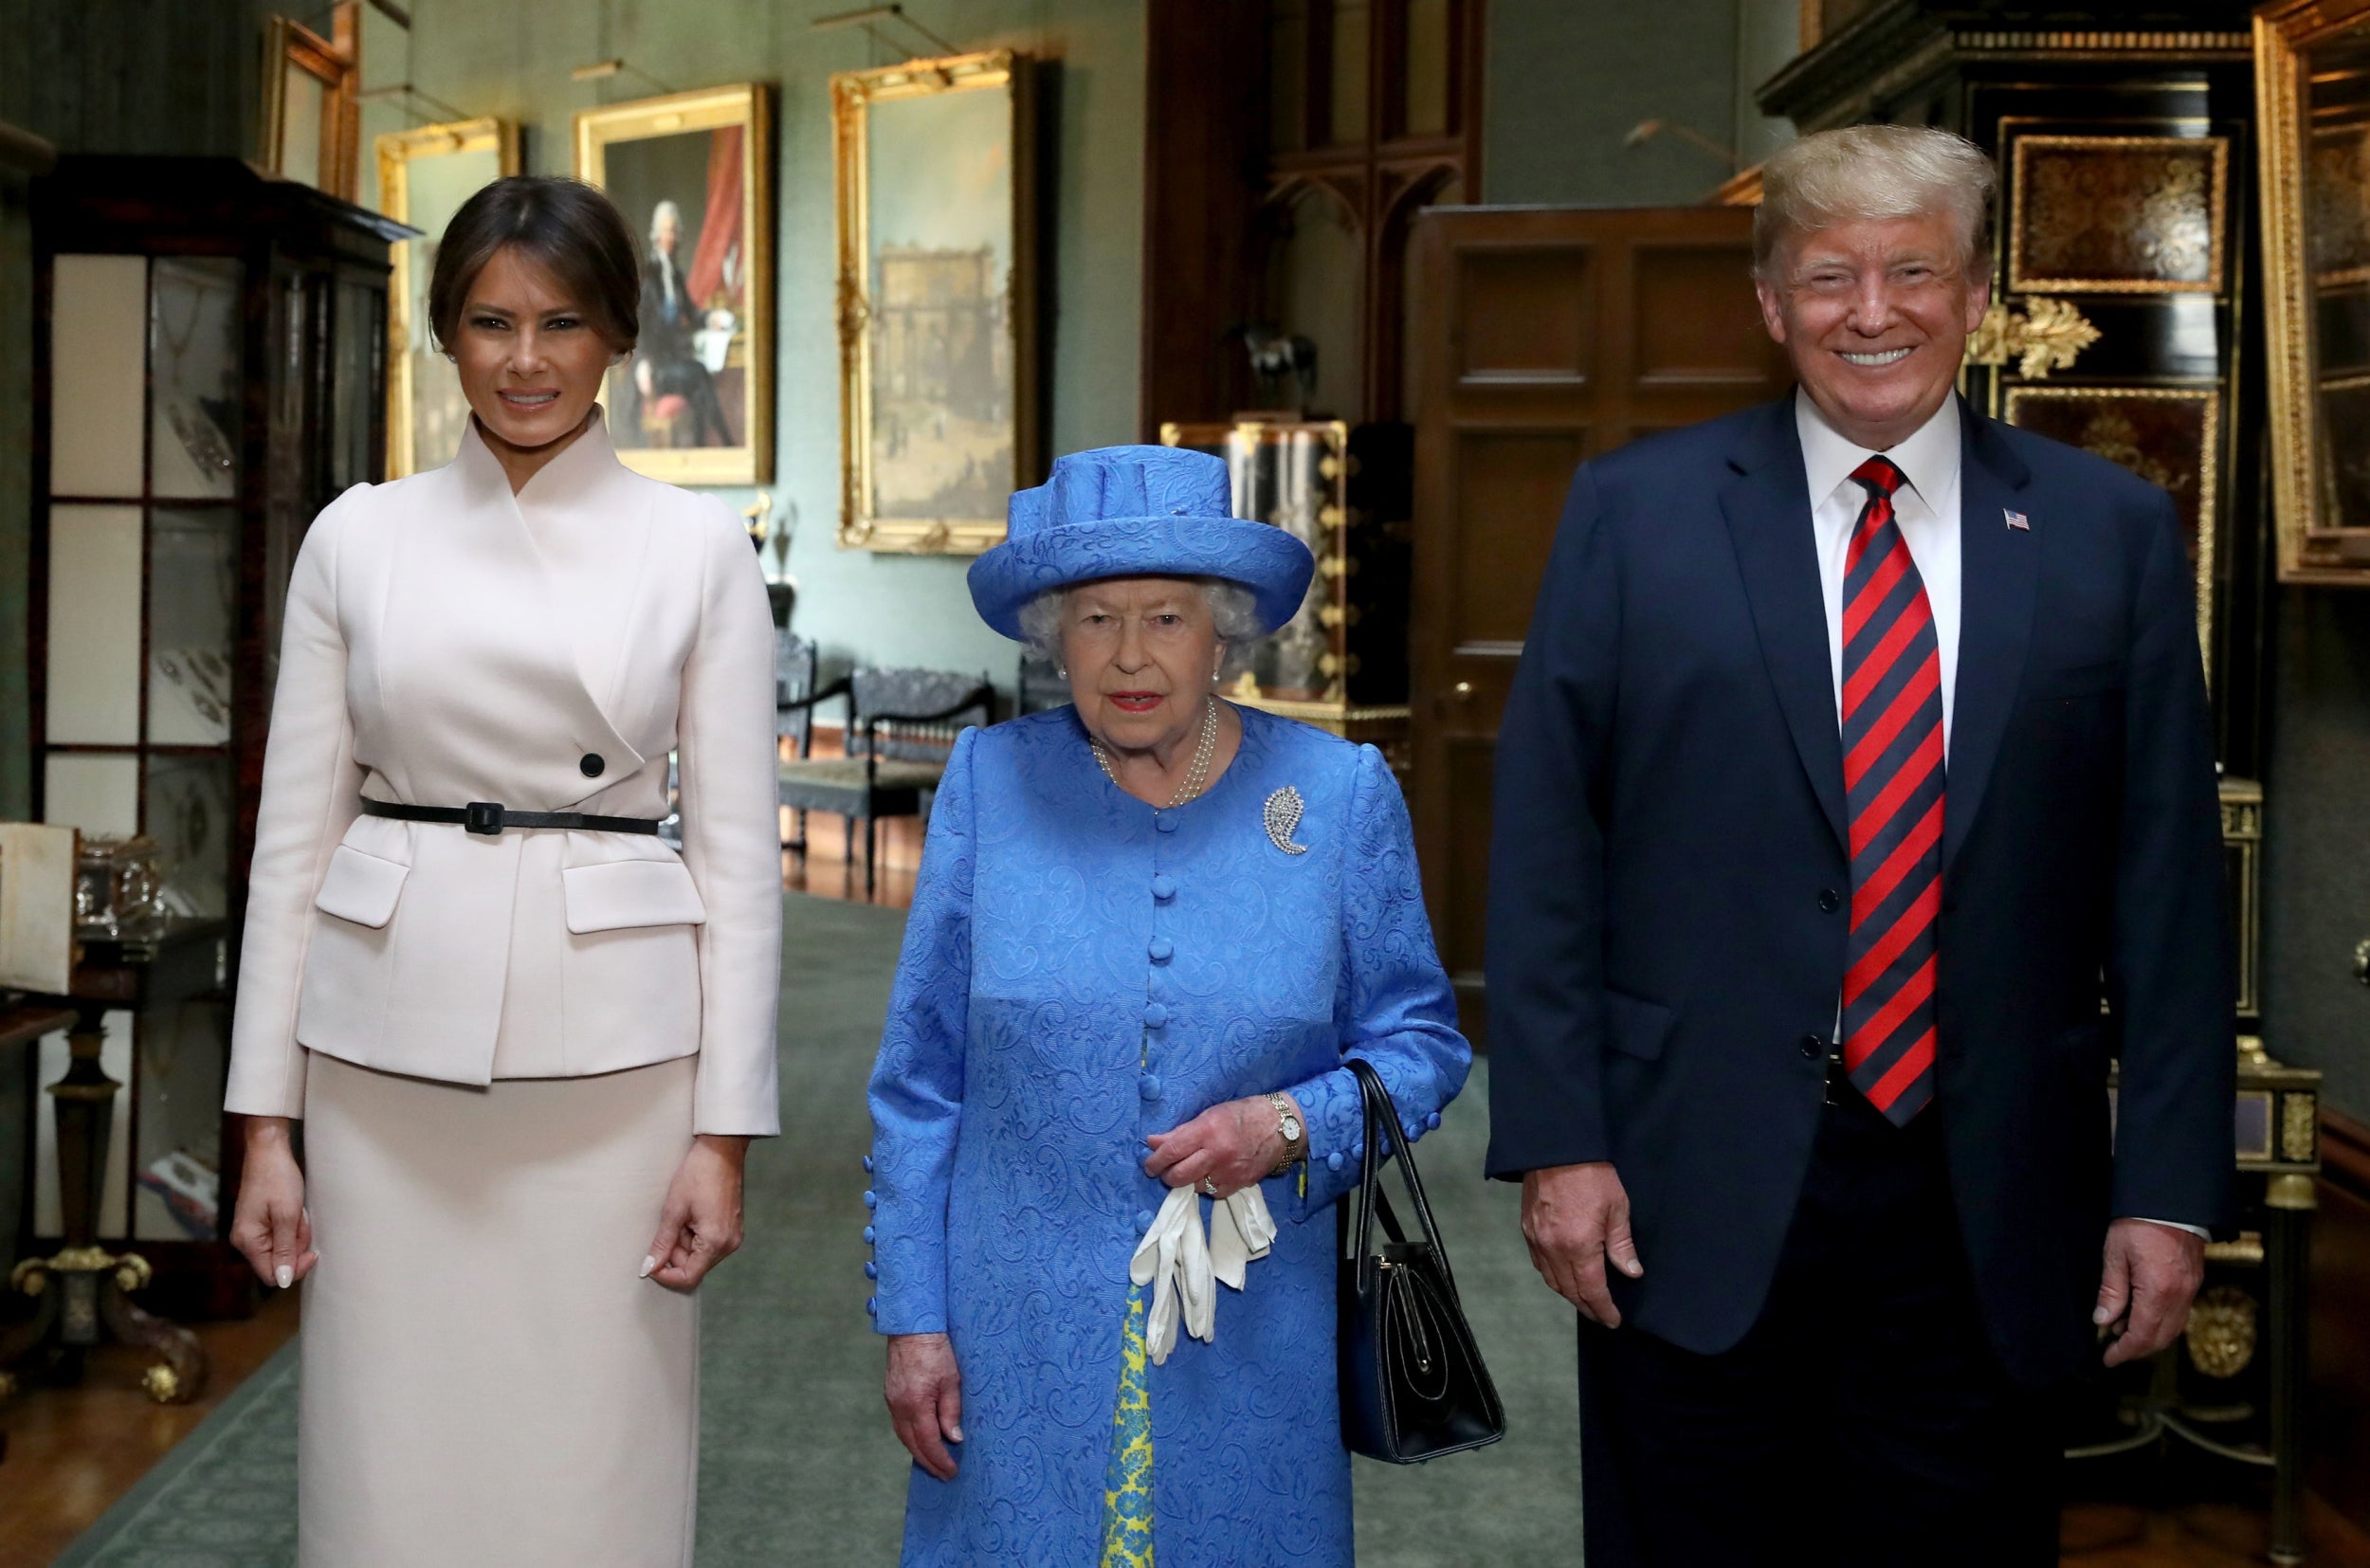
x=1340 y=662
x=210 y=371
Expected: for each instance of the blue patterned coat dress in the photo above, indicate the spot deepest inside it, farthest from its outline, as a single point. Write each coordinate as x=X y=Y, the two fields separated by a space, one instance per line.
x=1082 y=970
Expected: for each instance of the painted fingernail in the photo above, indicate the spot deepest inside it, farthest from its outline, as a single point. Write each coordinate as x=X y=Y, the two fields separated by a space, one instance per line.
x=955 y=1433
x=647 y=1265
x=286 y=1276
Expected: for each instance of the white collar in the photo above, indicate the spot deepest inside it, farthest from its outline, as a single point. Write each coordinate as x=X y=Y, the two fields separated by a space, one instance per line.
x=1928 y=459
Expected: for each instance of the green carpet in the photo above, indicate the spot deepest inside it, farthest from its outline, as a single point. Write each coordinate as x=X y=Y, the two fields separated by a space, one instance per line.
x=797 y=1465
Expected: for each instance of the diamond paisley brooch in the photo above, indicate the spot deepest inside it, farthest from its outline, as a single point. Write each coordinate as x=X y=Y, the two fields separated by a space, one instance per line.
x=1282 y=816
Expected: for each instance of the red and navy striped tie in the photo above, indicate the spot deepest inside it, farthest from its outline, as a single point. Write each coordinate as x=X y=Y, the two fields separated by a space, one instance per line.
x=1893 y=775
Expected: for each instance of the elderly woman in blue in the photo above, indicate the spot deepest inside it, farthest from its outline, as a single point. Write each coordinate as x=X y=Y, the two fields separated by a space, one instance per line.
x=1148 y=929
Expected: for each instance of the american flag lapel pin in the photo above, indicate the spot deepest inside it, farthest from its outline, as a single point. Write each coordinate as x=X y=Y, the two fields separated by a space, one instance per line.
x=2016 y=520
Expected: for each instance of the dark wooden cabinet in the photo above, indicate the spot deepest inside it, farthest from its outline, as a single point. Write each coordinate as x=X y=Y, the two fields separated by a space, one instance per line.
x=210 y=361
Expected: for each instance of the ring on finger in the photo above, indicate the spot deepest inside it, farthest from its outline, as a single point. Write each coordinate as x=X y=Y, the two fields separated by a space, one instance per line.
x=1210 y=1185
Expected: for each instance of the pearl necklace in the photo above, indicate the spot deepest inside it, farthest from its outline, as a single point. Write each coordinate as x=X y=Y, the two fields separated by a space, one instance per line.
x=1196 y=777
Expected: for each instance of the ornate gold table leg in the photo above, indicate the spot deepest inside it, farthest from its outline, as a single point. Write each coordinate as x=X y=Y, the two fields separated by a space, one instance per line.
x=83 y=1291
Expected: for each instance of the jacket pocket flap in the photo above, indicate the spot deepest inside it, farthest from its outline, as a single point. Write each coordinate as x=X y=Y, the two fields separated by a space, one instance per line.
x=1635 y=1026
x=614 y=895
x=360 y=888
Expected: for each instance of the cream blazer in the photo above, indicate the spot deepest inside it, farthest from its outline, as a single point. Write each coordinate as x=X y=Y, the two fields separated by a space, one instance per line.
x=446 y=643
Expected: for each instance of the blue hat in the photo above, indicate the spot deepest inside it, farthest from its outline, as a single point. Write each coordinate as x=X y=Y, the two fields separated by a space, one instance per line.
x=1136 y=512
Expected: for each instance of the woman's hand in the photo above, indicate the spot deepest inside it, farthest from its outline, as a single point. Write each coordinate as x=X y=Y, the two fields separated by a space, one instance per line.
x=1235 y=1145
x=924 y=1390
x=271 y=1229
x=700 y=1225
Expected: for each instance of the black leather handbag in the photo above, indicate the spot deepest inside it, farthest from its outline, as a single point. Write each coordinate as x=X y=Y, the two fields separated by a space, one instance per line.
x=1412 y=1383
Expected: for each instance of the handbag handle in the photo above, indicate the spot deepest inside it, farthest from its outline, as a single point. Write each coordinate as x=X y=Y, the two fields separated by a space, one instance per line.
x=1377 y=1101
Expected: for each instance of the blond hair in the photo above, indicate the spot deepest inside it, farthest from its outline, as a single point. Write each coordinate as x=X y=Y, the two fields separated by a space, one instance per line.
x=1873 y=172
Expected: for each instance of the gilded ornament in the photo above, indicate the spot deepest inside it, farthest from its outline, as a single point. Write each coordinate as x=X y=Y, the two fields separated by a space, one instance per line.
x=2221 y=1331
x=2299 y=1124
x=161 y=1383
x=2051 y=334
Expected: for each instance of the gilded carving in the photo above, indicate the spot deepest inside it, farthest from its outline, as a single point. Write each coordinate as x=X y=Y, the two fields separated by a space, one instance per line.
x=2118 y=214
x=2049 y=335
x=2221 y=1331
x=2299 y=1128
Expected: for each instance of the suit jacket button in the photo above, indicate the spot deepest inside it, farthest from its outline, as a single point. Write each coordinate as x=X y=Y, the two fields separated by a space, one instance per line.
x=1830 y=899
x=1813 y=1048
x=592 y=766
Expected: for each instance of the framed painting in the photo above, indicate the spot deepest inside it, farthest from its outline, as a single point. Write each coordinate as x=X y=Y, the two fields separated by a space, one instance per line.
x=2170 y=436
x=692 y=173
x=311 y=120
x=424 y=176
x=2118 y=214
x=2312 y=92
x=938 y=283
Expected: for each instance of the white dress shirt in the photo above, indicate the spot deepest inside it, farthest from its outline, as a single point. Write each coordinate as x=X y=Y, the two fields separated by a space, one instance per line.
x=1926 y=509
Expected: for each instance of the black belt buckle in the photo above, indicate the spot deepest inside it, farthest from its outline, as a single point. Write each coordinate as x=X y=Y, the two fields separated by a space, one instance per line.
x=483 y=817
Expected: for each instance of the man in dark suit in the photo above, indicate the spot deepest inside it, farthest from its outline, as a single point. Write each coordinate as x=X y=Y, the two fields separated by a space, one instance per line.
x=1858 y=751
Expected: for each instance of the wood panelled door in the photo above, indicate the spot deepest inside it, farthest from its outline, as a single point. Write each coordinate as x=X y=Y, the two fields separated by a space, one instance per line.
x=1542 y=337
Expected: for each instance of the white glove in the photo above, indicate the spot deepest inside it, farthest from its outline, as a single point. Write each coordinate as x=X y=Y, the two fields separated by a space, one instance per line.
x=1241 y=1232
x=1186 y=1264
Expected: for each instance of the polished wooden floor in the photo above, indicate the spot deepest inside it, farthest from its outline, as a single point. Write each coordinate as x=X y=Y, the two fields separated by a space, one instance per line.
x=72 y=1452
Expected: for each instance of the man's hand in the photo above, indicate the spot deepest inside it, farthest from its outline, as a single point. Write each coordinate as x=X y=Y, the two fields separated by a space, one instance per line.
x=1575 y=1218
x=2152 y=1275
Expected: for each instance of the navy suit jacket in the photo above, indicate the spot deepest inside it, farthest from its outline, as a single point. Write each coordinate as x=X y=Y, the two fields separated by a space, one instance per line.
x=1669 y=890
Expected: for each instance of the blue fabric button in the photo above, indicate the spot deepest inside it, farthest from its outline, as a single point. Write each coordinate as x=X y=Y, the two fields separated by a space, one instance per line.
x=871 y=1198
x=867 y=1164
x=1162 y=950
x=871 y=1270
x=1333 y=1161
x=872 y=1306
x=867 y=1235
x=1164 y=887
x=1165 y=821
x=1432 y=1121
x=1149 y=1086
x=1143 y=1219
x=1156 y=1014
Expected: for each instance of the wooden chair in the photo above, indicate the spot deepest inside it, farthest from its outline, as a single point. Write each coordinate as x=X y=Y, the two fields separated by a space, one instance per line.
x=898 y=733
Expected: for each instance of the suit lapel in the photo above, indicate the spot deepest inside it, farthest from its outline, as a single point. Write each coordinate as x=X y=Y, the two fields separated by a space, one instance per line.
x=1768 y=509
x=491 y=534
x=1999 y=569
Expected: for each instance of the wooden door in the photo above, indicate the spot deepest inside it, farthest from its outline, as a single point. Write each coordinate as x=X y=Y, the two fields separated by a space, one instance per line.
x=1543 y=337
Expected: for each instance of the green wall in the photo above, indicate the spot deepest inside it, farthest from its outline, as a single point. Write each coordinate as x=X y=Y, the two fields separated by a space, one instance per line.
x=1569 y=79
x=514 y=61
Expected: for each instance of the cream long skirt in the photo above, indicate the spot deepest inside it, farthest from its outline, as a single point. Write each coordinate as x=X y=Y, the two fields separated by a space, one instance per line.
x=485 y=1379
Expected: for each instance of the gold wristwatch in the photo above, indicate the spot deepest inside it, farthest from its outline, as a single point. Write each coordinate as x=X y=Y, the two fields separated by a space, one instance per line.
x=1289 y=1128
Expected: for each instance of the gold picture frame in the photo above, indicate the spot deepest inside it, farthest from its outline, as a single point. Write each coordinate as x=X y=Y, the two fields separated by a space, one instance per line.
x=311 y=120
x=936 y=195
x=2152 y=431
x=422 y=182
x=694 y=405
x=2118 y=214
x=2312 y=57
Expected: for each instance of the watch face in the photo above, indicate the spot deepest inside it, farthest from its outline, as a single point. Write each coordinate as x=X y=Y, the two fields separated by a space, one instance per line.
x=1291 y=1129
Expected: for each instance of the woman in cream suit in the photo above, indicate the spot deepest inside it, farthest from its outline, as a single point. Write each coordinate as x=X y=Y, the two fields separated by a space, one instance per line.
x=529 y=1042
